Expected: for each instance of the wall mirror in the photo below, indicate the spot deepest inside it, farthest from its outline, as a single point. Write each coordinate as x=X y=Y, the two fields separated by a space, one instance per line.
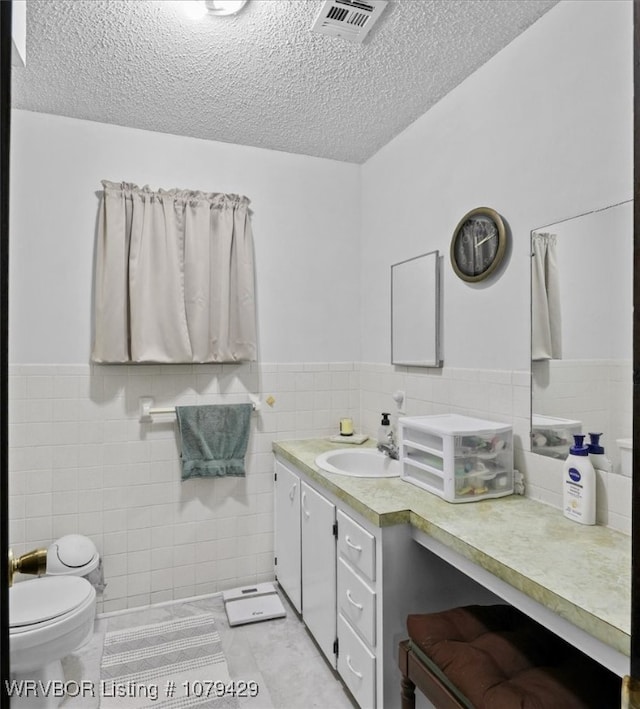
x=581 y=340
x=415 y=311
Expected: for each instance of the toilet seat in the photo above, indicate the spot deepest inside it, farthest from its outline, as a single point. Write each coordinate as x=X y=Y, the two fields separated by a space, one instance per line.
x=48 y=600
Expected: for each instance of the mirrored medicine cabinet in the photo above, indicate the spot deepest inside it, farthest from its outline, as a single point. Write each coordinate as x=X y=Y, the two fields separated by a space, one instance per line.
x=582 y=319
x=415 y=311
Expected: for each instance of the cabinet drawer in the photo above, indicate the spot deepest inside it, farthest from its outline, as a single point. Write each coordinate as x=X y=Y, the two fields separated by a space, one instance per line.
x=357 y=602
x=356 y=545
x=356 y=665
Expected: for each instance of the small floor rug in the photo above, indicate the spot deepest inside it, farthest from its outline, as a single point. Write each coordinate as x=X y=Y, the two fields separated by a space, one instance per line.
x=175 y=664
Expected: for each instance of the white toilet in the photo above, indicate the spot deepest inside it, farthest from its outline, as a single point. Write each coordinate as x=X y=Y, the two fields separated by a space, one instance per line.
x=50 y=617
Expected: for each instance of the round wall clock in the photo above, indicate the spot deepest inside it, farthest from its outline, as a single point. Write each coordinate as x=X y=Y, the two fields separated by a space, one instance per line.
x=478 y=245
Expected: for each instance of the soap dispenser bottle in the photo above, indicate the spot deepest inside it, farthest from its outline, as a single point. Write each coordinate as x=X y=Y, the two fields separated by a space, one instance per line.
x=579 y=484
x=597 y=455
x=385 y=429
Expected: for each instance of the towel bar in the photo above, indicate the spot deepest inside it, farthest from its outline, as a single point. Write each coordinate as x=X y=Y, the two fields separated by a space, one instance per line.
x=147 y=411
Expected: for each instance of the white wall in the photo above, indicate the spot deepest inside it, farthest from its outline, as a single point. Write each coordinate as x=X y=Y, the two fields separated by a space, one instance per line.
x=595 y=260
x=19 y=32
x=541 y=132
x=306 y=228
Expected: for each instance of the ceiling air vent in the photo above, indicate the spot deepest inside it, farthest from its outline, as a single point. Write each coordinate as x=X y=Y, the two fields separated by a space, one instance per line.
x=349 y=19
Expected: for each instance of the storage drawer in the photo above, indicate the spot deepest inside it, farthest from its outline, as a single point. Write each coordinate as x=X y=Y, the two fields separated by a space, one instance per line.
x=459 y=458
x=356 y=665
x=356 y=545
x=357 y=602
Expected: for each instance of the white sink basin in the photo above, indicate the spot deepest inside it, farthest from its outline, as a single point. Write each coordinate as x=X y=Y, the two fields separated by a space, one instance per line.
x=363 y=463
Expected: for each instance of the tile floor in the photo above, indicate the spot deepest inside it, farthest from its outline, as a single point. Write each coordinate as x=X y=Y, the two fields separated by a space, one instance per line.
x=278 y=654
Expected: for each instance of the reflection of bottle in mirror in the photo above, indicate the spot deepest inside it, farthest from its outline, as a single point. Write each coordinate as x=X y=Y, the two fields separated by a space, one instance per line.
x=579 y=484
x=596 y=454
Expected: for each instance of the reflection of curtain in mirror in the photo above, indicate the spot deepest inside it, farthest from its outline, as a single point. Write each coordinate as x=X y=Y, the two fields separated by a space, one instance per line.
x=174 y=277
x=545 y=299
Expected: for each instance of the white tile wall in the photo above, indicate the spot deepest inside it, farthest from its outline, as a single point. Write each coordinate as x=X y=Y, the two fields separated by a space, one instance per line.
x=598 y=393
x=504 y=396
x=81 y=461
x=497 y=395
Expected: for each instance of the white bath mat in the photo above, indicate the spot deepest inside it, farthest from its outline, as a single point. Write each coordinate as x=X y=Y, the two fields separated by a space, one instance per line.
x=176 y=664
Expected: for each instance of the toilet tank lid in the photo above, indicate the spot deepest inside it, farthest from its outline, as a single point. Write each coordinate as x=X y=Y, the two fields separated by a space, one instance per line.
x=72 y=553
x=45 y=598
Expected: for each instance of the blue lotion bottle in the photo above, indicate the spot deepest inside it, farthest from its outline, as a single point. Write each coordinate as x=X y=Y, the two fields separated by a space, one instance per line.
x=597 y=455
x=579 y=484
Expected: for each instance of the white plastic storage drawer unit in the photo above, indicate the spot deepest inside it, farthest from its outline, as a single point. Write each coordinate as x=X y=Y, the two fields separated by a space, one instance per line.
x=459 y=458
x=553 y=436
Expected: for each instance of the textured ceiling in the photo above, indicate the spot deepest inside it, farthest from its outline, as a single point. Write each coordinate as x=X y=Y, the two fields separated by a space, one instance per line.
x=260 y=78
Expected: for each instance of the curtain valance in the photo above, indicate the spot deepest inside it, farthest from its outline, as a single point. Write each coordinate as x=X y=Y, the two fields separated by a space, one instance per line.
x=174 y=277
x=174 y=196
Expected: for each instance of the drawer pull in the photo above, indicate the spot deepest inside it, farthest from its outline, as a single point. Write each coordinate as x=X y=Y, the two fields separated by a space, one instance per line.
x=351 y=667
x=359 y=606
x=292 y=492
x=307 y=514
x=347 y=539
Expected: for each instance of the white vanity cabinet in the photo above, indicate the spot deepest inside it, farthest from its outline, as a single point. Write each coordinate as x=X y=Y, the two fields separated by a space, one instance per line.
x=358 y=586
x=305 y=554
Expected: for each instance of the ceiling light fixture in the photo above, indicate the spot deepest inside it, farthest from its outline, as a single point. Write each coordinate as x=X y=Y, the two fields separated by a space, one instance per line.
x=224 y=7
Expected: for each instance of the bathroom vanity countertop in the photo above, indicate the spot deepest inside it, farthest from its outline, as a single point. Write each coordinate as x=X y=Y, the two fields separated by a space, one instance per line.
x=581 y=573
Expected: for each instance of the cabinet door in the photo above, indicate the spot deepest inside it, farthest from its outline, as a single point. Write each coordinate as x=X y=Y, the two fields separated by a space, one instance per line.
x=319 y=569
x=287 y=533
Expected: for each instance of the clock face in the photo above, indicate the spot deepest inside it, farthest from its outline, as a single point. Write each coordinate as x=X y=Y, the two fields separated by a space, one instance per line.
x=478 y=245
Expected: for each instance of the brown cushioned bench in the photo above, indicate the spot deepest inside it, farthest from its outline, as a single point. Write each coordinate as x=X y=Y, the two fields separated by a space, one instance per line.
x=495 y=657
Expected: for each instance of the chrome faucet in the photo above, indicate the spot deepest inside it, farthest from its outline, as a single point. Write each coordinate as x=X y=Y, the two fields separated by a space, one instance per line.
x=389 y=446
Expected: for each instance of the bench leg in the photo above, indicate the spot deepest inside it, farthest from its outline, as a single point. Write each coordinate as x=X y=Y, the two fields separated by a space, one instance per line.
x=407 y=687
x=408 y=693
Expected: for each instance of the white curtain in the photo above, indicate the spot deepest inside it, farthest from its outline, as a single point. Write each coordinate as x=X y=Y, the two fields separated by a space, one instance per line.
x=546 y=338
x=174 y=277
